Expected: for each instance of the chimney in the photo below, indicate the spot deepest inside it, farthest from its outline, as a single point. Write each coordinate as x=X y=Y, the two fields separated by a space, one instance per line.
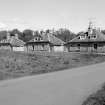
x=8 y=35
x=48 y=35
x=99 y=29
x=33 y=33
x=90 y=28
x=16 y=36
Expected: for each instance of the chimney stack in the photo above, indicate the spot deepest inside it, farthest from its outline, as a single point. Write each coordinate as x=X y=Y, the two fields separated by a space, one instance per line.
x=8 y=35
x=48 y=35
x=16 y=36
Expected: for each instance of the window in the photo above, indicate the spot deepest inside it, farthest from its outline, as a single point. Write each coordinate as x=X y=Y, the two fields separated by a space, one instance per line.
x=41 y=39
x=82 y=37
x=35 y=39
x=93 y=37
x=95 y=46
x=78 y=46
x=86 y=33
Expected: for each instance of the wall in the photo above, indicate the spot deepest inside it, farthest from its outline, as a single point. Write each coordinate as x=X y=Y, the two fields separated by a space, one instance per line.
x=5 y=47
x=87 y=48
x=18 y=48
x=58 y=48
x=39 y=47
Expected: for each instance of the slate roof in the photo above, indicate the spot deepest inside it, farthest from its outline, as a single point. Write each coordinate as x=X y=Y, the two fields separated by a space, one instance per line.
x=54 y=40
x=42 y=37
x=13 y=42
x=50 y=38
x=100 y=37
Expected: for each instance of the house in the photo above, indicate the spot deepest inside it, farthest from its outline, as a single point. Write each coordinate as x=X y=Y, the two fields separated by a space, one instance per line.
x=38 y=43
x=12 y=43
x=56 y=44
x=45 y=42
x=90 y=41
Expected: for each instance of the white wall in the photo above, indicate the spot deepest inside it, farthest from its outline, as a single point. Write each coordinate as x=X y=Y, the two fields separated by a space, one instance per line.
x=18 y=48
x=82 y=37
x=58 y=48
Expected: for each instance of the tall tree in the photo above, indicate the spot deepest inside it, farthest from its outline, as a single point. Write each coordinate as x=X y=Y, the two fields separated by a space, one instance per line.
x=65 y=34
x=3 y=35
x=27 y=35
x=16 y=31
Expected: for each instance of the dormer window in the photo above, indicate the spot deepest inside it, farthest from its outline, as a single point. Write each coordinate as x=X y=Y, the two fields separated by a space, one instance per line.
x=35 y=39
x=82 y=37
x=86 y=33
x=93 y=37
x=41 y=39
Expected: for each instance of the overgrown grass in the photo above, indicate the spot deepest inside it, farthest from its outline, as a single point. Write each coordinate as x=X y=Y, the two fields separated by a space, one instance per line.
x=97 y=98
x=17 y=64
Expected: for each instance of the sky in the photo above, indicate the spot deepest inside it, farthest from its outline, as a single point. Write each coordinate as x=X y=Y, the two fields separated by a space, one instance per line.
x=42 y=14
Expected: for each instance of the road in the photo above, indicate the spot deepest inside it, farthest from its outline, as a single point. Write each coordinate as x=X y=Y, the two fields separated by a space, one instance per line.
x=69 y=87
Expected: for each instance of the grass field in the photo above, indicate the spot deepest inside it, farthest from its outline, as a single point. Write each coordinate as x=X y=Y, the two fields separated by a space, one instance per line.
x=67 y=87
x=18 y=64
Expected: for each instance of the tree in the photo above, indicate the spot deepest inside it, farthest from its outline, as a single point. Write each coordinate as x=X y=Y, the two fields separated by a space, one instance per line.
x=16 y=31
x=80 y=33
x=47 y=31
x=3 y=35
x=36 y=33
x=27 y=35
x=65 y=34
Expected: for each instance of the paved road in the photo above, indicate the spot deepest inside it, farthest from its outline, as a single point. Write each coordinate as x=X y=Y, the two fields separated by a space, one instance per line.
x=69 y=87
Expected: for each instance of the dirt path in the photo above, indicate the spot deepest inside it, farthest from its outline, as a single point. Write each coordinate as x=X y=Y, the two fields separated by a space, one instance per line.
x=69 y=87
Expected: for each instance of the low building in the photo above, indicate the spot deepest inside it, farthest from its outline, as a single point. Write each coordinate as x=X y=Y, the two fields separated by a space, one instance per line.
x=12 y=43
x=91 y=41
x=45 y=42
x=56 y=44
x=38 y=43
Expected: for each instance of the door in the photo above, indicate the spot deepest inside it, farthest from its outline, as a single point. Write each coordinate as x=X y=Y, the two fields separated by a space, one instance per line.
x=95 y=46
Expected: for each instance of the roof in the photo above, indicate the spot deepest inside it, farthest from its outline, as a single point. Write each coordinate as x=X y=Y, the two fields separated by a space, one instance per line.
x=47 y=38
x=54 y=40
x=41 y=38
x=13 y=41
x=100 y=37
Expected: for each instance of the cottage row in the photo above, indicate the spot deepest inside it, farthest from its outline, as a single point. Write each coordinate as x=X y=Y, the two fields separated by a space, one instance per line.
x=42 y=42
x=90 y=41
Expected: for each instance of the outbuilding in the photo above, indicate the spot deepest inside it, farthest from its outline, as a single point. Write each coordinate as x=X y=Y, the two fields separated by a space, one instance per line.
x=12 y=43
x=90 y=41
x=45 y=42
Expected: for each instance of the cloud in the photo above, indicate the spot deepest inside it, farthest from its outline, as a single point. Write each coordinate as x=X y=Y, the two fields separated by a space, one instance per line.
x=15 y=23
x=2 y=25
